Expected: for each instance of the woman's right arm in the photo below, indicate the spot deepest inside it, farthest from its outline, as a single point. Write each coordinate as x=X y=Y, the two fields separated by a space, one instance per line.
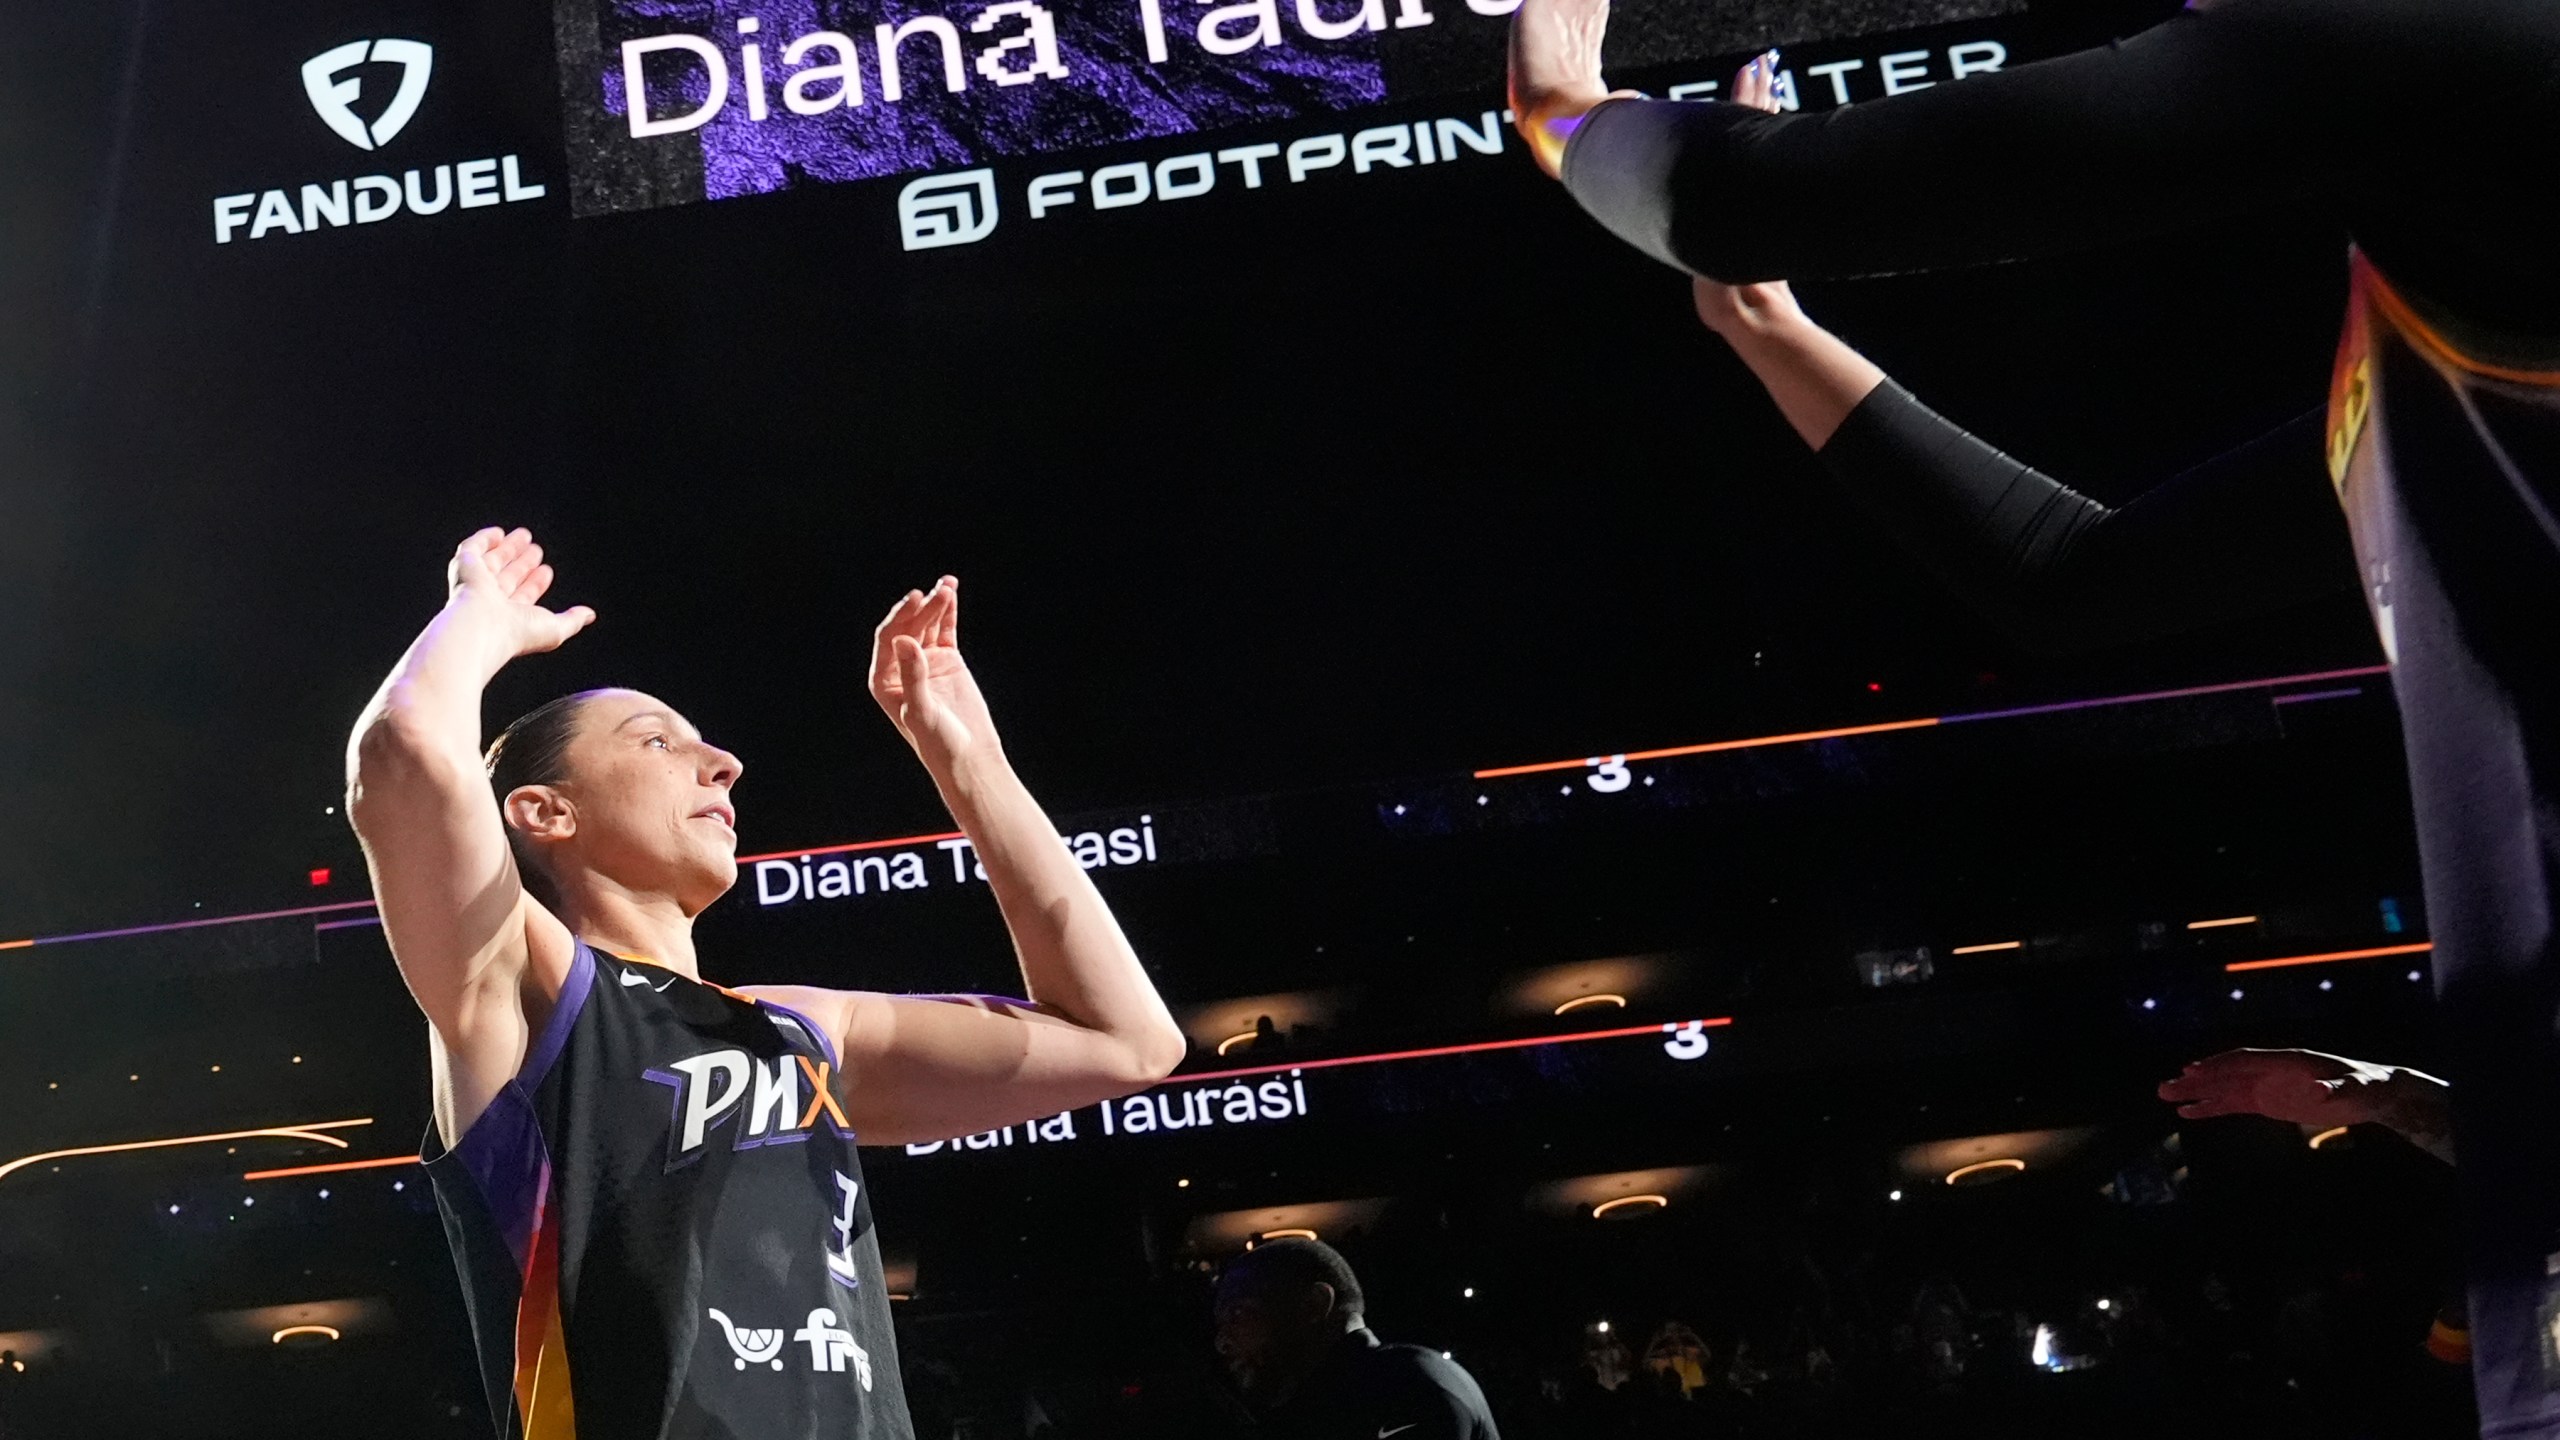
x=453 y=909
x=2252 y=530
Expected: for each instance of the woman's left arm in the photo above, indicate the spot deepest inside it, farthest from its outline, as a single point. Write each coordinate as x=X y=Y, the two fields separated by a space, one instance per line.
x=931 y=1067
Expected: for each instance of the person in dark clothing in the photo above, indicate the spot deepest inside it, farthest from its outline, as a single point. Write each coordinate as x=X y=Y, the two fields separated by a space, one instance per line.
x=2440 y=440
x=1291 y=1326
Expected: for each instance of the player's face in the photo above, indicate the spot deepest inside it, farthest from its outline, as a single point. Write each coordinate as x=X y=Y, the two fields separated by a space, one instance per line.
x=651 y=798
x=1268 y=1336
x=1248 y=1331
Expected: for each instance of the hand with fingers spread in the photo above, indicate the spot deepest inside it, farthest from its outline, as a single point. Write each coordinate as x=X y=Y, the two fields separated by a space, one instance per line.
x=2307 y=1087
x=920 y=680
x=499 y=576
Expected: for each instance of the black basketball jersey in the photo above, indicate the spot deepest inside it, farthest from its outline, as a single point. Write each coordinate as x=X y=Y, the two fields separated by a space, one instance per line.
x=2445 y=448
x=662 y=1229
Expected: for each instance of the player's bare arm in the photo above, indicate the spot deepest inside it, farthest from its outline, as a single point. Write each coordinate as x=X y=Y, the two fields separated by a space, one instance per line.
x=472 y=946
x=930 y=1067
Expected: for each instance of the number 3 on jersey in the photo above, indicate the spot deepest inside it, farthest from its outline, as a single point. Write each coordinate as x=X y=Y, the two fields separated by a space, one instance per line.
x=840 y=1254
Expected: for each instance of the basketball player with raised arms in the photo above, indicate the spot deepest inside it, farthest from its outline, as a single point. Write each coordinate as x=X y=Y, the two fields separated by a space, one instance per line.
x=649 y=1180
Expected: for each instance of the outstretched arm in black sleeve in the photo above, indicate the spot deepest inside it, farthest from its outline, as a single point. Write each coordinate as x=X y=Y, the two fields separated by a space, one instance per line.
x=2252 y=530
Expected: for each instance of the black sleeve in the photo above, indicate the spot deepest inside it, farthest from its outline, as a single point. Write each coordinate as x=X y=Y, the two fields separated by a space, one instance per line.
x=2251 y=530
x=2242 y=104
x=1418 y=1395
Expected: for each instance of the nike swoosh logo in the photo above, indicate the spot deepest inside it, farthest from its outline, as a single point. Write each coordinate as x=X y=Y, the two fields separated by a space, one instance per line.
x=1383 y=1434
x=633 y=977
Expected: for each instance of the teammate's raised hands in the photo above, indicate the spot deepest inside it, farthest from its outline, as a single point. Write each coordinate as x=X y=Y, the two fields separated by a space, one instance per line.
x=2308 y=1087
x=501 y=574
x=1736 y=311
x=1555 y=72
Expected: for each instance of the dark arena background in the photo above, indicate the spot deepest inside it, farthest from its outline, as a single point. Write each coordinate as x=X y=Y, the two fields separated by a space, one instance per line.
x=1705 y=979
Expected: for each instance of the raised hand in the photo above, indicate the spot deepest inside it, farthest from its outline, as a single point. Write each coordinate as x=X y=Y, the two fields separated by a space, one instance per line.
x=2302 y=1086
x=1756 y=83
x=1555 y=72
x=921 y=682
x=1734 y=310
x=500 y=575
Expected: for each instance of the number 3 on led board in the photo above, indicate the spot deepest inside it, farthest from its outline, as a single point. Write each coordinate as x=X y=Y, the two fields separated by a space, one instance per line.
x=1687 y=1042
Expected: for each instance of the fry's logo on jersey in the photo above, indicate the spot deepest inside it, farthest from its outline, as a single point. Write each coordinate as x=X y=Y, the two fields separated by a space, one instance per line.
x=781 y=1100
x=832 y=1348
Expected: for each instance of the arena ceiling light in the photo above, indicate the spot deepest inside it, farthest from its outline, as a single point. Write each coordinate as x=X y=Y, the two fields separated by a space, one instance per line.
x=308 y=1132
x=1216 y=1025
x=1610 y=981
x=1929 y=1163
x=2222 y=923
x=305 y=1322
x=1219 y=1234
x=1987 y=949
x=1573 y=1198
x=30 y=1344
x=1961 y=1173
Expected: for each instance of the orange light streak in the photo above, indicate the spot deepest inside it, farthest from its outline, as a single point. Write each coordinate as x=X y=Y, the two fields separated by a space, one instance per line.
x=2005 y=1162
x=2329 y=957
x=1713 y=746
x=333 y=1168
x=1477 y=1048
x=270 y=1132
x=902 y=840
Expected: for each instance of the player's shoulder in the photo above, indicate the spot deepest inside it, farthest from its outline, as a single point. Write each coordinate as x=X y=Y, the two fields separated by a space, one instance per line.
x=1411 y=1368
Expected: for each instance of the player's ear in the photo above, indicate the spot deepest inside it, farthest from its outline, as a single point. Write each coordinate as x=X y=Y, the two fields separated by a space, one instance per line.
x=540 y=813
x=1317 y=1307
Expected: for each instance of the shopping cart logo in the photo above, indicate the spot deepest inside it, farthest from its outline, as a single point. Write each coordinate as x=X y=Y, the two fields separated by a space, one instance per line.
x=954 y=209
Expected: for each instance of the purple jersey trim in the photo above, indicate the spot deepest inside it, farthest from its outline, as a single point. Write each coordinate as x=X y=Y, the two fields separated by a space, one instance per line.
x=504 y=1152
x=509 y=1164
x=564 y=1015
x=826 y=1042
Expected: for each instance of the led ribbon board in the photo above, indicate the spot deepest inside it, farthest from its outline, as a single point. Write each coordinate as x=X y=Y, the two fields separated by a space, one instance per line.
x=668 y=104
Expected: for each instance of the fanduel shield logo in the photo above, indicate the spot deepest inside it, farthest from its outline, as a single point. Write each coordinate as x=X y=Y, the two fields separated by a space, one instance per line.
x=425 y=189
x=335 y=98
x=941 y=210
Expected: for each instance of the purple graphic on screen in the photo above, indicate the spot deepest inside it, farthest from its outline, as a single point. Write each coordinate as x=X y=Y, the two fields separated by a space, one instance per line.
x=1031 y=78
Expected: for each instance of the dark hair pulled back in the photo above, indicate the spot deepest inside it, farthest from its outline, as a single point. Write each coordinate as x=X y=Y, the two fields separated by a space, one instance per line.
x=534 y=750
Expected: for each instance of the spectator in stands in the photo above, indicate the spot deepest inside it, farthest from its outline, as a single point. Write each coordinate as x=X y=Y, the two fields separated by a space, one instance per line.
x=1293 y=1330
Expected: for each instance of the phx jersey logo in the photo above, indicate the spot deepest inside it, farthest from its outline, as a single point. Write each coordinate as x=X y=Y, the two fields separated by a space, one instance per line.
x=780 y=1101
